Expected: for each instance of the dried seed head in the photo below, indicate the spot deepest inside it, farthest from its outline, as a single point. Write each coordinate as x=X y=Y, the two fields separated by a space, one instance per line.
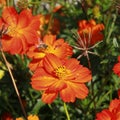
x=22 y=4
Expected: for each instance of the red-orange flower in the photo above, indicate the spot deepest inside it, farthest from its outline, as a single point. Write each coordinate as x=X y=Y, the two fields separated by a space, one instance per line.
x=30 y=117
x=64 y=77
x=113 y=113
x=6 y=116
x=116 y=68
x=21 y=30
x=104 y=115
x=90 y=32
x=49 y=45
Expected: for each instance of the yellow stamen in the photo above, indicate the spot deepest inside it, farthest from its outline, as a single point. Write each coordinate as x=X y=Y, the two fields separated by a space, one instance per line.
x=62 y=72
x=14 y=31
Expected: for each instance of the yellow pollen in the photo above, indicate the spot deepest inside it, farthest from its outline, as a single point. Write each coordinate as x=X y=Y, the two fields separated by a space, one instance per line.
x=62 y=72
x=14 y=31
x=49 y=49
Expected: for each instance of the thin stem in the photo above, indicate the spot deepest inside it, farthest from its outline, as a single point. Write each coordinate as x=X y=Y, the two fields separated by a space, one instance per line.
x=111 y=28
x=51 y=16
x=7 y=2
x=14 y=84
x=66 y=111
x=92 y=87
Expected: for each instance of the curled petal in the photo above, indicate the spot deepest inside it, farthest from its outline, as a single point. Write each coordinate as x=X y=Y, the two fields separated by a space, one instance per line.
x=49 y=97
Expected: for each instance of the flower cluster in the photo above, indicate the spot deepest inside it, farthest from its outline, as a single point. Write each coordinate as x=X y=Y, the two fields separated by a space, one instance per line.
x=52 y=58
x=54 y=71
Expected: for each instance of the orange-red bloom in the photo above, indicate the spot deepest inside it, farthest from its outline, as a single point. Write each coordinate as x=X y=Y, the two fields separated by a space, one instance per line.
x=113 y=113
x=90 y=32
x=30 y=117
x=49 y=45
x=6 y=116
x=116 y=68
x=64 y=77
x=21 y=30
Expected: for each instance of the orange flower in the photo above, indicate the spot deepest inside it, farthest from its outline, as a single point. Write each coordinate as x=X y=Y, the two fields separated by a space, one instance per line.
x=6 y=116
x=116 y=68
x=105 y=115
x=30 y=117
x=21 y=30
x=49 y=45
x=64 y=77
x=90 y=32
x=113 y=113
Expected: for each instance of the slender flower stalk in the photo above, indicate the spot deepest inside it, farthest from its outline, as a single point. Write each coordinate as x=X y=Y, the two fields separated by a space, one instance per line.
x=86 y=40
x=66 y=111
x=11 y=75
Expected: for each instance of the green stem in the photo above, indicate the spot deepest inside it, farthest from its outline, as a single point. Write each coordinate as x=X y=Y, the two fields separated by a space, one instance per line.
x=92 y=87
x=111 y=29
x=66 y=111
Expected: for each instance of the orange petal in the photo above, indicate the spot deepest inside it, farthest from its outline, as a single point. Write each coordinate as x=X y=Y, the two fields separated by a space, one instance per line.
x=10 y=15
x=49 y=39
x=80 y=90
x=41 y=80
x=49 y=97
x=67 y=94
x=57 y=86
x=116 y=69
x=104 y=115
x=114 y=104
x=73 y=90
x=24 y=19
x=51 y=62
x=42 y=83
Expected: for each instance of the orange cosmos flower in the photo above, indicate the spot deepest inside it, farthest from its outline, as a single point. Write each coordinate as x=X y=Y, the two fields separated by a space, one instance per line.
x=116 y=68
x=21 y=30
x=105 y=115
x=6 y=116
x=90 y=32
x=30 y=117
x=66 y=78
x=113 y=113
x=49 y=45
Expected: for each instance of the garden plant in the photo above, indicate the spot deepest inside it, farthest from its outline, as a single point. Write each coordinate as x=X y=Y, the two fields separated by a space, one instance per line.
x=59 y=60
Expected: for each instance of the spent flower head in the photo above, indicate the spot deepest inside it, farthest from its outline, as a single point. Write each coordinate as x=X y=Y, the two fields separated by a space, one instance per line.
x=88 y=36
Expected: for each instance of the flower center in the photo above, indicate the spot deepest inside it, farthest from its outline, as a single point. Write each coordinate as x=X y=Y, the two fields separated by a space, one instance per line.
x=50 y=50
x=62 y=72
x=14 y=31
